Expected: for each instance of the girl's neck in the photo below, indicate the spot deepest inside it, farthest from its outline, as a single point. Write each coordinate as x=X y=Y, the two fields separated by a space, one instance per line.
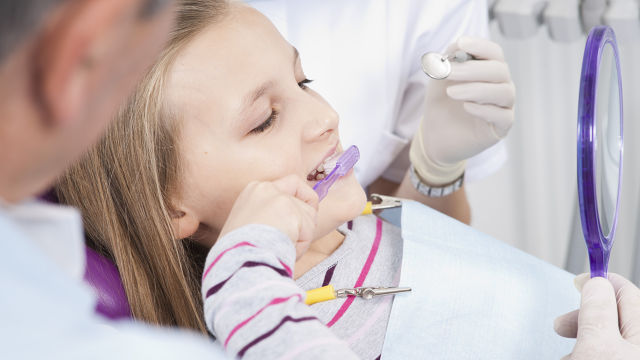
x=319 y=250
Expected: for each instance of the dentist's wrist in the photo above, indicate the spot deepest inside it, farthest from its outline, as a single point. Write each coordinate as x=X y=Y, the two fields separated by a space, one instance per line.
x=434 y=191
x=428 y=171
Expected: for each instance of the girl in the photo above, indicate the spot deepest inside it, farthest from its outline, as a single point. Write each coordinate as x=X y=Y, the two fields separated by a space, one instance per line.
x=228 y=104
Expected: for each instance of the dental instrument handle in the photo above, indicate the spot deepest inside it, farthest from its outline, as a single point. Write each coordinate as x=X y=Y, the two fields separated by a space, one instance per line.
x=324 y=293
x=460 y=56
x=345 y=163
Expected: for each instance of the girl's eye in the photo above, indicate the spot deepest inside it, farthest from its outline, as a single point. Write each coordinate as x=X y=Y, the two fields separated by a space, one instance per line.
x=303 y=84
x=266 y=124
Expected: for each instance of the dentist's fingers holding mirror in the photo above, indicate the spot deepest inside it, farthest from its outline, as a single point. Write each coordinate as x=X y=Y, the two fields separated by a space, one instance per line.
x=597 y=322
x=598 y=309
x=480 y=48
x=628 y=298
x=500 y=119
x=287 y=204
x=494 y=71
x=628 y=307
x=606 y=308
x=499 y=94
x=567 y=325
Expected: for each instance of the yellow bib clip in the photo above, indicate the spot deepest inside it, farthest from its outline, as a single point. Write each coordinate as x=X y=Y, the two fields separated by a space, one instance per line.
x=379 y=202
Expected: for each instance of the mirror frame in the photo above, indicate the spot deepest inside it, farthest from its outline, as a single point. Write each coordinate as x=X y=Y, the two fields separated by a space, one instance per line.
x=598 y=245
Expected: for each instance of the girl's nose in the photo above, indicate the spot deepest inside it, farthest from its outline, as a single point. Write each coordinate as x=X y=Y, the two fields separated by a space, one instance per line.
x=322 y=121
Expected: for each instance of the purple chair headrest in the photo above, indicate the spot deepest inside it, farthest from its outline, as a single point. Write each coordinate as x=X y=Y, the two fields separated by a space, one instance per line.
x=103 y=277
x=105 y=280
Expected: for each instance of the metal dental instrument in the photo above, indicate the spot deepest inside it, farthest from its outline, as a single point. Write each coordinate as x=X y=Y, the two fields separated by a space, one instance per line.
x=343 y=165
x=327 y=293
x=438 y=66
x=379 y=202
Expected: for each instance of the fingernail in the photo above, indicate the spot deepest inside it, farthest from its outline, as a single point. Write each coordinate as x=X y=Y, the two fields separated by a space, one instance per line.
x=580 y=280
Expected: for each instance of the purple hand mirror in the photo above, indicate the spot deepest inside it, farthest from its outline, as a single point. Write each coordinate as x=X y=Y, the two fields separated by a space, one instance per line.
x=600 y=145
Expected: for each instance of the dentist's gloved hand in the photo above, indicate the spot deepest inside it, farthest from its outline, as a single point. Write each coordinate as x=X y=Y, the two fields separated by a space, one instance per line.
x=465 y=114
x=607 y=325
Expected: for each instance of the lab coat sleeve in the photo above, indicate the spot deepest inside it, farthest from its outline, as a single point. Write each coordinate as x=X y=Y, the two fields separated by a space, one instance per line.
x=47 y=314
x=432 y=26
x=252 y=304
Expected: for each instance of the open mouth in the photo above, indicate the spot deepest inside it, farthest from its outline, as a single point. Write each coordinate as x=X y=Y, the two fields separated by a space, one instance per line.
x=324 y=169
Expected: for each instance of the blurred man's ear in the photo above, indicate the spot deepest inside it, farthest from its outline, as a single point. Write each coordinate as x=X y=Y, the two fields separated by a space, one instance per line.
x=70 y=51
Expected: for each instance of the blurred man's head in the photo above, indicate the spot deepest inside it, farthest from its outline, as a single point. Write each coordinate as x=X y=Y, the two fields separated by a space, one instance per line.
x=65 y=66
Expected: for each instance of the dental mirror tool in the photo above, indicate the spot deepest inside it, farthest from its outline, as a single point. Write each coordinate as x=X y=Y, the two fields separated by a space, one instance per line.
x=345 y=162
x=600 y=145
x=438 y=66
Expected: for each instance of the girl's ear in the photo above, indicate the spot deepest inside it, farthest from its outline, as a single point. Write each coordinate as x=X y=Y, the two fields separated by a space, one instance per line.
x=184 y=223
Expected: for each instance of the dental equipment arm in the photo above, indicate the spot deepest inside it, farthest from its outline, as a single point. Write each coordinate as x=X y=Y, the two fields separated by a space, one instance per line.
x=563 y=20
x=465 y=114
x=607 y=325
x=519 y=18
x=624 y=17
x=592 y=12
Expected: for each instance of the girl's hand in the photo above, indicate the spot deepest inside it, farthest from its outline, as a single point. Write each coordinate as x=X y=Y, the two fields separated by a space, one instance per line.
x=287 y=204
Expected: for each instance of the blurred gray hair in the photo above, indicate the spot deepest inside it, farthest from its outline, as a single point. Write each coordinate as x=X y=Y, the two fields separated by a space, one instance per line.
x=20 y=18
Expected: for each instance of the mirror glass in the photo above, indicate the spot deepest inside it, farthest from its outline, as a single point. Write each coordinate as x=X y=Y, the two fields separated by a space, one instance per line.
x=608 y=141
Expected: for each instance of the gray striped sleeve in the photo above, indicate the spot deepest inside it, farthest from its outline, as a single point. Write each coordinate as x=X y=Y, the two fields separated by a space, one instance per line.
x=252 y=304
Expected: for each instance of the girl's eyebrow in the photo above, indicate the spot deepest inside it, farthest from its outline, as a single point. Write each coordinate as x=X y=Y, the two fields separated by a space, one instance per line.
x=252 y=97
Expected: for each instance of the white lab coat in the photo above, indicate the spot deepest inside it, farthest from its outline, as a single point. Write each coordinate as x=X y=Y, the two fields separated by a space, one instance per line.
x=47 y=313
x=364 y=58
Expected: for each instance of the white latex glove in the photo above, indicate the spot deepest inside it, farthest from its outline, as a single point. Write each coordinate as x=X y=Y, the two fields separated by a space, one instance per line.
x=607 y=326
x=464 y=114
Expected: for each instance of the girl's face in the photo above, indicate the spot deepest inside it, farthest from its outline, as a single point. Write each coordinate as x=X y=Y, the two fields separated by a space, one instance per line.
x=246 y=114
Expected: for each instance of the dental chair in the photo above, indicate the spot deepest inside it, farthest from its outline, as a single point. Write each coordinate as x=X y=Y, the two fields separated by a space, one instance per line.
x=104 y=279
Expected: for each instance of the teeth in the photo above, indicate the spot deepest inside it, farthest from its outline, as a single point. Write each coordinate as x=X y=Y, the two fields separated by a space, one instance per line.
x=321 y=171
x=316 y=175
x=330 y=164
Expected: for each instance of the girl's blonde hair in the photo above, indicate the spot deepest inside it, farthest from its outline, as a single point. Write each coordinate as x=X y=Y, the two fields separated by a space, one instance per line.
x=123 y=188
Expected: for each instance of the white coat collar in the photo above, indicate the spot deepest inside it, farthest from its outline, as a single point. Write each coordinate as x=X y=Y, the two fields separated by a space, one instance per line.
x=55 y=229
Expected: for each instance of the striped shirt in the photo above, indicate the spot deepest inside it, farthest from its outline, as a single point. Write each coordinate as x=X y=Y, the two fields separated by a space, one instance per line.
x=371 y=255
x=256 y=310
